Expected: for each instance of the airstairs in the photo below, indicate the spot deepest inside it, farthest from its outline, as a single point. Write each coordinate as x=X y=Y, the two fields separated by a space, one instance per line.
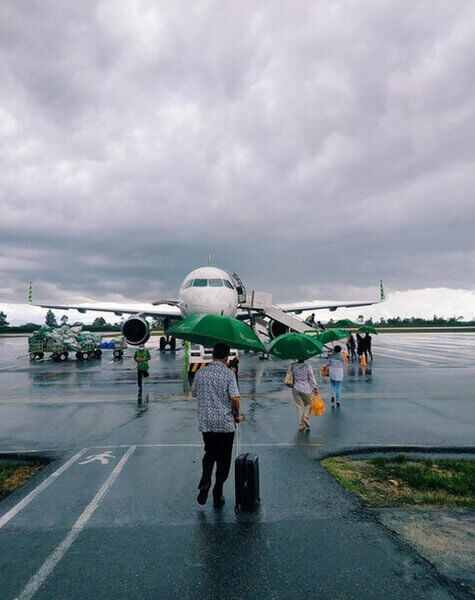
x=293 y=323
x=260 y=305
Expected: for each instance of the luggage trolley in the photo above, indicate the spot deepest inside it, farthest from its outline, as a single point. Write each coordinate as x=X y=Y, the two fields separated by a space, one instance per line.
x=38 y=348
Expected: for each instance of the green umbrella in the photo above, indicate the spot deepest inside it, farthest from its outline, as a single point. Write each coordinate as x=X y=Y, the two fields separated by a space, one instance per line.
x=210 y=329
x=344 y=323
x=295 y=346
x=367 y=329
x=331 y=335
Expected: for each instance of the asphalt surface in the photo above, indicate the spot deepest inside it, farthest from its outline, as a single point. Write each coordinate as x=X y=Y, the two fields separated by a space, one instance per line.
x=120 y=519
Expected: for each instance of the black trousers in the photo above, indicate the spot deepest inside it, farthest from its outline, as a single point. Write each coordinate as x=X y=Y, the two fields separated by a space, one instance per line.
x=218 y=449
x=141 y=375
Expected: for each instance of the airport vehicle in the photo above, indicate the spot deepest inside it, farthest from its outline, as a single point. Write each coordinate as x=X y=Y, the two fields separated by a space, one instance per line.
x=117 y=345
x=199 y=357
x=212 y=290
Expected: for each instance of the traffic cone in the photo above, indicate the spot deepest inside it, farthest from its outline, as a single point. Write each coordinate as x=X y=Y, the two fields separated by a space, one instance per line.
x=363 y=361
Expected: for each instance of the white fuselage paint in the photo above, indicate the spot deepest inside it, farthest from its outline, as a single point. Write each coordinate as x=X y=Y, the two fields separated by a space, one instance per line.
x=205 y=290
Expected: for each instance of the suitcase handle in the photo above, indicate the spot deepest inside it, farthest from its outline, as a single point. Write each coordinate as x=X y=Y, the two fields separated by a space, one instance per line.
x=238 y=440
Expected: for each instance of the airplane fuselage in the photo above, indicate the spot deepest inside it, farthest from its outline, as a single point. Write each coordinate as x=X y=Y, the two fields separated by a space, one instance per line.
x=208 y=290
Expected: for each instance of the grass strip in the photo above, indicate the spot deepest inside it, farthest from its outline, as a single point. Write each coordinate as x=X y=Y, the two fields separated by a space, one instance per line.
x=13 y=476
x=381 y=482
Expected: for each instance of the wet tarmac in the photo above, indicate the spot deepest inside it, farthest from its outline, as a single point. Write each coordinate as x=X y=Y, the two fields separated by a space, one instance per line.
x=120 y=519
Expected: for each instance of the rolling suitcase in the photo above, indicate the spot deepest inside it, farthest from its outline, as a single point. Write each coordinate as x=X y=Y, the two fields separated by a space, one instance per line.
x=246 y=479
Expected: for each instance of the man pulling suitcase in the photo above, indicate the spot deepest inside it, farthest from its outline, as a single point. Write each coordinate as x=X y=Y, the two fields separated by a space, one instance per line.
x=218 y=403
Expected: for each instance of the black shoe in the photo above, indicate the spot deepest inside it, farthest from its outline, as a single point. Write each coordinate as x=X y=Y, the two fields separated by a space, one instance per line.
x=338 y=405
x=218 y=502
x=202 y=496
x=333 y=399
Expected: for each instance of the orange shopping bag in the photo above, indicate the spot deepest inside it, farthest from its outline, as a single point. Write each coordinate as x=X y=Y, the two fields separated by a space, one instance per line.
x=318 y=406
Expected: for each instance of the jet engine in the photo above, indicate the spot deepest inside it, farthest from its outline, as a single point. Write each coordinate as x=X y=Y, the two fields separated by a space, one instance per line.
x=136 y=330
x=274 y=328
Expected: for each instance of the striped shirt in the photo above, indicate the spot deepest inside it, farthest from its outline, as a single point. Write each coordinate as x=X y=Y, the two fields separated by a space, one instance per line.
x=304 y=379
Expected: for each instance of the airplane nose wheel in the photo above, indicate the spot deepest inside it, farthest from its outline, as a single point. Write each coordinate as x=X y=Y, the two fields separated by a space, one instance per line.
x=167 y=340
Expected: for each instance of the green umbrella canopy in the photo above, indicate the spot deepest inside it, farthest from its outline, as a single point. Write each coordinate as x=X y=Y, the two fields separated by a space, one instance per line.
x=295 y=346
x=331 y=335
x=344 y=323
x=210 y=329
x=368 y=329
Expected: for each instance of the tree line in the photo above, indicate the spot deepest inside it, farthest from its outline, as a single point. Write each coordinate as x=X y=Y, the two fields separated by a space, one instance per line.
x=99 y=324
x=413 y=322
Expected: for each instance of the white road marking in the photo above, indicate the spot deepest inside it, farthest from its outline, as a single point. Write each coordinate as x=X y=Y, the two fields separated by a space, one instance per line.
x=32 y=495
x=103 y=458
x=53 y=559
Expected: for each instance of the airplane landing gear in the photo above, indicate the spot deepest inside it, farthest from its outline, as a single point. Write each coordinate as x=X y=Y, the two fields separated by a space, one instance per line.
x=167 y=340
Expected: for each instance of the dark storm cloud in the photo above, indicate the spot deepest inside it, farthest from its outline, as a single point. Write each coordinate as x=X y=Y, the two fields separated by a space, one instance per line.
x=313 y=146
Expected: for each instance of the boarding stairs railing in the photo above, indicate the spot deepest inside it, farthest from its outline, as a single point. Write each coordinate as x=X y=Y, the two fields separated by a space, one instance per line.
x=260 y=303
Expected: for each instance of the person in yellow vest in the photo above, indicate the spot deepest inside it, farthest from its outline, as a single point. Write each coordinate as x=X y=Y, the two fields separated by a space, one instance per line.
x=142 y=357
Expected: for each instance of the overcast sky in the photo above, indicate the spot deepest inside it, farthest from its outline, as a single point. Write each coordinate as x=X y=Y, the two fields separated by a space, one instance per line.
x=315 y=147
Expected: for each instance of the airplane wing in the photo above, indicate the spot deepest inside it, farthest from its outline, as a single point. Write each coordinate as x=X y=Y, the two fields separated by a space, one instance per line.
x=119 y=310
x=167 y=309
x=299 y=307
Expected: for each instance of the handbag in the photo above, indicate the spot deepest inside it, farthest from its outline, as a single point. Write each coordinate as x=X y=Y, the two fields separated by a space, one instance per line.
x=318 y=406
x=289 y=378
x=325 y=372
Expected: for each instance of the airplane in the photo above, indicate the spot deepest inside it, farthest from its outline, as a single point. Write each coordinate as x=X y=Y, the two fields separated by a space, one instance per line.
x=212 y=290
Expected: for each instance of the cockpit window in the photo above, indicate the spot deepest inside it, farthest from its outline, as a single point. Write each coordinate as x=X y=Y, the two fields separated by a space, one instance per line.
x=228 y=284
x=215 y=283
x=200 y=282
x=188 y=284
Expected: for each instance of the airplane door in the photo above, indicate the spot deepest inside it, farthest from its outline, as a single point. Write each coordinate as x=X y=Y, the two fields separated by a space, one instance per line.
x=240 y=289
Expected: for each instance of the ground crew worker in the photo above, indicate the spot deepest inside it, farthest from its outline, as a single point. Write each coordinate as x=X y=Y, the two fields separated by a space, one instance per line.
x=142 y=357
x=311 y=320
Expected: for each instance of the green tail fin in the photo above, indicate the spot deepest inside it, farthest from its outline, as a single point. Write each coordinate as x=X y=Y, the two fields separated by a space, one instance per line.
x=29 y=296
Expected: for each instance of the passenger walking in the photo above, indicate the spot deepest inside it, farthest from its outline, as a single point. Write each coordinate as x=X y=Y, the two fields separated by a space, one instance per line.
x=359 y=344
x=218 y=400
x=335 y=366
x=233 y=364
x=303 y=390
x=367 y=346
x=142 y=357
x=351 y=346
